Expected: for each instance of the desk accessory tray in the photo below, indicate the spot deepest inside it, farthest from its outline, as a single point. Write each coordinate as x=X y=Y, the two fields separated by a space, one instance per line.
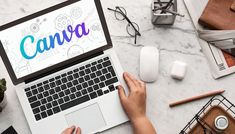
x=203 y=121
x=160 y=18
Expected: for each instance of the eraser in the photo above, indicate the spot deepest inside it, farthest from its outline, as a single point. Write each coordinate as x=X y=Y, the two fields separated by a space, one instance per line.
x=178 y=70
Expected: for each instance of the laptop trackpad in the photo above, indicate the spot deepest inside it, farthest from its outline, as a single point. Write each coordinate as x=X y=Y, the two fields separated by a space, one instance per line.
x=89 y=118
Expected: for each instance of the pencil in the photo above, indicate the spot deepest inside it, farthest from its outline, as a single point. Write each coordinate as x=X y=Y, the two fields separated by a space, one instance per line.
x=201 y=96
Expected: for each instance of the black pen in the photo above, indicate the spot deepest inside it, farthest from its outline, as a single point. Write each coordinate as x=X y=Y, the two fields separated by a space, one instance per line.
x=167 y=5
x=160 y=3
x=173 y=12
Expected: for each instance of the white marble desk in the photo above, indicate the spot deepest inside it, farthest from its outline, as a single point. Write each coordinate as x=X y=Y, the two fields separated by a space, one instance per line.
x=178 y=42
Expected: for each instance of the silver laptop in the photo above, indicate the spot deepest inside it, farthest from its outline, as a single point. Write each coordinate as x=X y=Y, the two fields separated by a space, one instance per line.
x=64 y=67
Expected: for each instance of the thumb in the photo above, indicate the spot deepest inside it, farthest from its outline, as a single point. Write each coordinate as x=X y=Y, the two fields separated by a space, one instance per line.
x=122 y=94
x=78 y=131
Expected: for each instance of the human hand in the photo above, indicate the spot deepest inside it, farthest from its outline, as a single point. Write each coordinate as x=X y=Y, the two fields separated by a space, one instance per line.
x=70 y=130
x=135 y=103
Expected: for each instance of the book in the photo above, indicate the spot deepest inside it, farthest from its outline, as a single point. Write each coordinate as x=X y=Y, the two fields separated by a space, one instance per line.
x=218 y=15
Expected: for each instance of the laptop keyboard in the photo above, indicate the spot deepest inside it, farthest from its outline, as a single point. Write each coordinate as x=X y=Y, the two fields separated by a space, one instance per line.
x=72 y=88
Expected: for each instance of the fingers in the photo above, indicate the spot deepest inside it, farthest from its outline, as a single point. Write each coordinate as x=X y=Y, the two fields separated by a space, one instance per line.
x=129 y=80
x=136 y=82
x=132 y=82
x=142 y=84
x=78 y=131
x=69 y=130
x=121 y=93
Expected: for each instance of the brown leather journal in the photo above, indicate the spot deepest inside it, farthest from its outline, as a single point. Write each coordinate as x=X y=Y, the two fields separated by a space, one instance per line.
x=233 y=6
x=218 y=15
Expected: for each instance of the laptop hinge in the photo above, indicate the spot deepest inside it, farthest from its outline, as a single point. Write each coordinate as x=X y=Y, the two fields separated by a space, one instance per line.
x=64 y=66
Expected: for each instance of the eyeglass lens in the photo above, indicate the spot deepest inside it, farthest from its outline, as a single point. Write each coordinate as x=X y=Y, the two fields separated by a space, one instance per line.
x=120 y=13
x=130 y=30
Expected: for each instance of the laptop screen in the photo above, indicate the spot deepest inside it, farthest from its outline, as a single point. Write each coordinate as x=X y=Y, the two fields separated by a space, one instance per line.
x=53 y=37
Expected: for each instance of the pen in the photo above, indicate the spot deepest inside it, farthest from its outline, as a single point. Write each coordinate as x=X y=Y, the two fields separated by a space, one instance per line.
x=169 y=11
x=167 y=5
x=163 y=7
x=201 y=96
x=160 y=3
x=173 y=12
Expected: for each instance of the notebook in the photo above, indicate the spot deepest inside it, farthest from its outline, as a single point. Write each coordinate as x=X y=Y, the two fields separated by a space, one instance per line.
x=218 y=15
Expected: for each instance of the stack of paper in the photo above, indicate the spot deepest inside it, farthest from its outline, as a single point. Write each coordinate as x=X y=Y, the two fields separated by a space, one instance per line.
x=217 y=45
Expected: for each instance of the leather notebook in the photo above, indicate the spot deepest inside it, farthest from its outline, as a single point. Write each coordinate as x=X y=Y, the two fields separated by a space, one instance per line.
x=218 y=15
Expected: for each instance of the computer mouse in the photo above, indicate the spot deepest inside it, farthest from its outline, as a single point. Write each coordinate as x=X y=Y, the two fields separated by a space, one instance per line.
x=149 y=63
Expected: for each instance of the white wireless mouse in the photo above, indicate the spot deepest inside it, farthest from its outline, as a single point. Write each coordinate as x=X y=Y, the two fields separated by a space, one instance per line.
x=149 y=63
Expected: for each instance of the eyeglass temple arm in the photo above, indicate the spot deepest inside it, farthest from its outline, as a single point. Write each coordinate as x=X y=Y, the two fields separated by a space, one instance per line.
x=135 y=38
x=117 y=11
x=128 y=20
x=112 y=9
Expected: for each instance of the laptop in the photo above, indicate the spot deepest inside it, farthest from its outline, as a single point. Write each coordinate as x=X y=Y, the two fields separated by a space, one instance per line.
x=64 y=67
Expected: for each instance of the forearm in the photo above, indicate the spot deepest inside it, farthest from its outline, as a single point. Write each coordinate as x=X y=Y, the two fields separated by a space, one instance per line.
x=143 y=126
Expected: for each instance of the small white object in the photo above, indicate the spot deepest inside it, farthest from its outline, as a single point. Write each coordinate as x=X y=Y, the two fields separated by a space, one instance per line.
x=149 y=63
x=221 y=122
x=178 y=70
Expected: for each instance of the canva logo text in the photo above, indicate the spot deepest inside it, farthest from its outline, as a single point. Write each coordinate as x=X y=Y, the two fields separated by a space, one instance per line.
x=47 y=43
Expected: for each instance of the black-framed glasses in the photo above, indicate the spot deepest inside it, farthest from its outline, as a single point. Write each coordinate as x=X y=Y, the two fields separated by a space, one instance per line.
x=132 y=28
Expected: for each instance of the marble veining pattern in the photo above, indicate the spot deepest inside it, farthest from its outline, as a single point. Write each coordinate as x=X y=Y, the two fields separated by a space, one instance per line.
x=177 y=42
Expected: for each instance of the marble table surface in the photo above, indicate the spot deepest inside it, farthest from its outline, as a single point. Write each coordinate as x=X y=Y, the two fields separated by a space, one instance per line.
x=178 y=42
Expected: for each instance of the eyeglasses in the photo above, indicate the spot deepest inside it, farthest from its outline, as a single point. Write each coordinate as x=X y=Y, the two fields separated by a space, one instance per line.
x=132 y=28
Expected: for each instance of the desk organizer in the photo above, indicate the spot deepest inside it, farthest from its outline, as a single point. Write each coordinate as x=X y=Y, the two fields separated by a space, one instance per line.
x=159 y=18
x=203 y=121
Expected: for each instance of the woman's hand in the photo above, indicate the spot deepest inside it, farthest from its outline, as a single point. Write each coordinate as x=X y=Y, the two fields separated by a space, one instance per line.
x=135 y=103
x=70 y=130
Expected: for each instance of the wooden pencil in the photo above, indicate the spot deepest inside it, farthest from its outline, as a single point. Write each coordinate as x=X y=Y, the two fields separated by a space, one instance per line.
x=201 y=96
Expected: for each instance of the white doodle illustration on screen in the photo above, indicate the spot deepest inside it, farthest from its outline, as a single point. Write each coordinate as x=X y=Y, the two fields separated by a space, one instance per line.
x=89 y=14
x=74 y=50
x=35 y=27
x=96 y=31
x=44 y=27
x=62 y=21
x=76 y=13
x=20 y=65
x=23 y=67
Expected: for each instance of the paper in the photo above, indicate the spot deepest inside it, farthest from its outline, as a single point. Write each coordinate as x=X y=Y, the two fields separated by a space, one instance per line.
x=213 y=42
